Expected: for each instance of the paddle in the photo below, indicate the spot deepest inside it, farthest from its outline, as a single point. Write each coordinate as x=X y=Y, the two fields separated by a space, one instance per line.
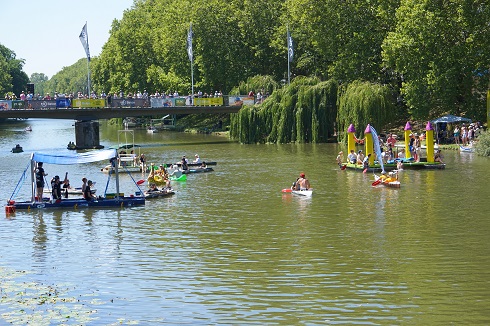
x=139 y=182
x=343 y=166
x=375 y=183
x=287 y=190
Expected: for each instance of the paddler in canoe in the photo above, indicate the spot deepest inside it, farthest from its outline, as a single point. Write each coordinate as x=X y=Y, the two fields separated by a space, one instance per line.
x=159 y=176
x=301 y=183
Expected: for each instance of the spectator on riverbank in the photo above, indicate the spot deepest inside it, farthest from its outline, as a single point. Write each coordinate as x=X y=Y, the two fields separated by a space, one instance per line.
x=391 y=141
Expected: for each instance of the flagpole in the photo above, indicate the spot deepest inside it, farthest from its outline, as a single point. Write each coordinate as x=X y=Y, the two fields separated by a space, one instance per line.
x=191 y=56
x=88 y=76
x=289 y=55
x=192 y=80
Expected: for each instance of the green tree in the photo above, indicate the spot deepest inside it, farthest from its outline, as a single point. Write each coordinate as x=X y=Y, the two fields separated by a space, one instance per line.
x=441 y=55
x=70 y=79
x=341 y=39
x=363 y=103
x=14 y=67
x=5 y=78
x=39 y=80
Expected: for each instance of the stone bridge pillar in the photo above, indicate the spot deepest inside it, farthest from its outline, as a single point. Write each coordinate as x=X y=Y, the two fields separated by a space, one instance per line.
x=87 y=134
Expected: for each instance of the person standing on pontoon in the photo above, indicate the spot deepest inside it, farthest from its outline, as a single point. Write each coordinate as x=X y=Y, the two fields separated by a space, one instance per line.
x=40 y=174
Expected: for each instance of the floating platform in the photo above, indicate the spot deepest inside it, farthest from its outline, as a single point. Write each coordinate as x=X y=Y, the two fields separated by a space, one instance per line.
x=407 y=165
x=371 y=168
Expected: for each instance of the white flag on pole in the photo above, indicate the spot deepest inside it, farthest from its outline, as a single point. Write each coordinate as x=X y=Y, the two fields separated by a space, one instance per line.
x=84 y=39
x=189 y=43
x=290 y=47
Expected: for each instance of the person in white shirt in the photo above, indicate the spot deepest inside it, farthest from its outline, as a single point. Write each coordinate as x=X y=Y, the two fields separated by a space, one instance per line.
x=197 y=159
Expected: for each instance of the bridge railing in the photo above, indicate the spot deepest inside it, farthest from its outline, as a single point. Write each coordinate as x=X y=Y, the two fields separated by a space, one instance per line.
x=61 y=103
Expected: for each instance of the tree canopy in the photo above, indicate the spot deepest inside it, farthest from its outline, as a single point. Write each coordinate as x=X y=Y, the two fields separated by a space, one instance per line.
x=432 y=56
x=12 y=77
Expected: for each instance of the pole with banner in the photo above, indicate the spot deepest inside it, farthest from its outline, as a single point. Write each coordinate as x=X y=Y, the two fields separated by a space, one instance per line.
x=290 y=54
x=84 y=39
x=488 y=109
x=191 y=58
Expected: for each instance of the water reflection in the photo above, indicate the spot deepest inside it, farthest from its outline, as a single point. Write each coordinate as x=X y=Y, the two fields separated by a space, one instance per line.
x=40 y=236
x=232 y=249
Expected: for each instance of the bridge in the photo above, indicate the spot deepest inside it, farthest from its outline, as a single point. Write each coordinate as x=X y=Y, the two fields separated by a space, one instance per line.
x=87 y=112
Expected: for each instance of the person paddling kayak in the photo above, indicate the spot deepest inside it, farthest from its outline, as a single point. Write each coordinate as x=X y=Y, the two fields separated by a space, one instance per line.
x=301 y=183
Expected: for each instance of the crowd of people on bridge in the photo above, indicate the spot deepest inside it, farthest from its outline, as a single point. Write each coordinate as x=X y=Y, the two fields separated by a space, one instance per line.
x=260 y=96
x=28 y=96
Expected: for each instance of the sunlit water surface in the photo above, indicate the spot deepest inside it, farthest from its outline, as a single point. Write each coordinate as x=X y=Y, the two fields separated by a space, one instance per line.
x=230 y=248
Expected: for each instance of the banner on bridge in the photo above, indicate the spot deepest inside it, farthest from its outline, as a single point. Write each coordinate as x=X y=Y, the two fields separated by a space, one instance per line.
x=5 y=104
x=43 y=104
x=19 y=105
x=129 y=103
x=63 y=103
x=166 y=102
x=88 y=103
x=208 y=101
x=241 y=100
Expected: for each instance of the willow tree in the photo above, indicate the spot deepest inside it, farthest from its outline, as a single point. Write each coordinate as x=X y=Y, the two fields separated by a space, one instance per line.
x=363 y=103
x=262 y=83
x=305 y=111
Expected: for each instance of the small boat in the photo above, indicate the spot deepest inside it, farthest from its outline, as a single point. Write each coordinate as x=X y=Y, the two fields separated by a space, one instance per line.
x=303 y=193
x=197 y=170
x=17 y=149
x=152 y=129
x=71 y=146
x=182 y=177
x=128 y=162
x=390 y=180
x=28 y=128
x=165 y=192
x=193 y=163
x=157 y=179
x=371 y=168
x=466 y=149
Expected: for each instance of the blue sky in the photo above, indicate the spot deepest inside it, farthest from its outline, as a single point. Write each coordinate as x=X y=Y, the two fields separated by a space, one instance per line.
x=45 y=32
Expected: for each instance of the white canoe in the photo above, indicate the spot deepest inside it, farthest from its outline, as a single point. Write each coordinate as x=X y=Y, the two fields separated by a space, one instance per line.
x=466 y=149
x=305 y=193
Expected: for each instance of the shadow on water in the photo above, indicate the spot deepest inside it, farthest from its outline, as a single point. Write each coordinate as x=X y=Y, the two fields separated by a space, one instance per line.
x=187 y=143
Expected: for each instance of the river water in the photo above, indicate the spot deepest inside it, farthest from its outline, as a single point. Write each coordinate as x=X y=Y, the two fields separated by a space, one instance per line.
x=230 y=249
